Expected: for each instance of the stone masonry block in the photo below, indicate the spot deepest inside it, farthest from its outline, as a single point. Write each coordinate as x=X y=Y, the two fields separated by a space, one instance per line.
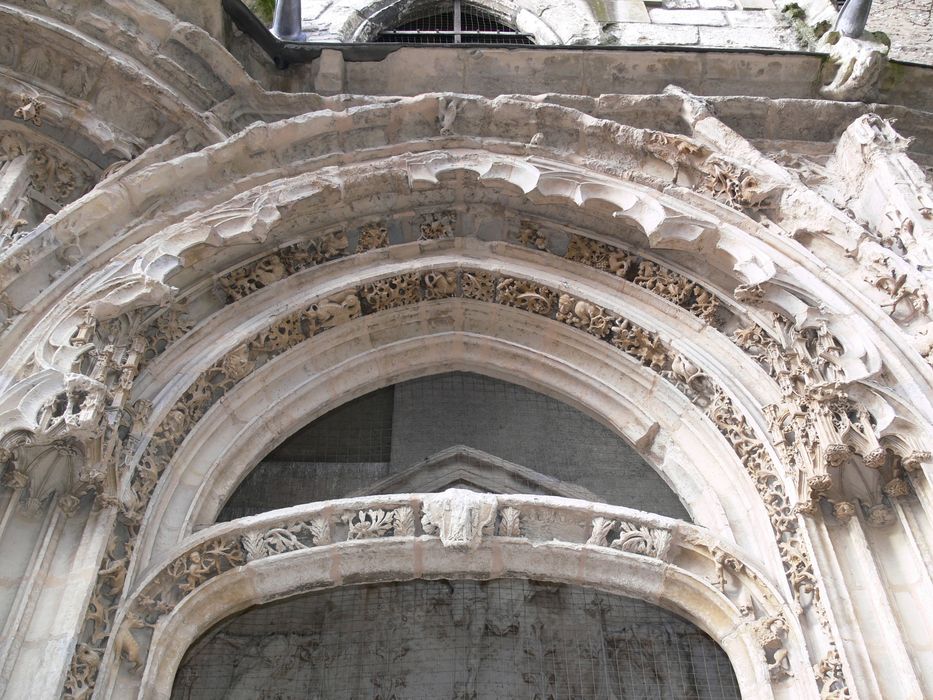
x=709 y=18
x=744 y=18
x=656 y=34
x=729 y=37
x=628 y=11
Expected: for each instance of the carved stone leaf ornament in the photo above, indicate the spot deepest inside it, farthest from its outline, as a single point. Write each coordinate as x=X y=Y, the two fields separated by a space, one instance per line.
x=510 y=522
x=650 y=542
x=601 y=529
x=369 y=523
x=403 y=522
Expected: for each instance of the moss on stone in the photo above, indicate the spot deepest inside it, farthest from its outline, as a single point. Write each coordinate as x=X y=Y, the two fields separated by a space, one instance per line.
x=794 y=12
x=263 y=9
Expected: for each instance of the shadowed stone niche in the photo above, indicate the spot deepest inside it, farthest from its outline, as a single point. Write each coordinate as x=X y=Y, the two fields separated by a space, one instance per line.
x=458 y=639
x=453 y=430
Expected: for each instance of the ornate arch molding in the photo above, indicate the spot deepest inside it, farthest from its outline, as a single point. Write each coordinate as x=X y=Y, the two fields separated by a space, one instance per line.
x=451 y=335
x=524 y=295
x=649 y=156
x=840 y=347
x=70 y=83
x=312 y=142
x=255 y=560
x=169 y=58
x=259 y=211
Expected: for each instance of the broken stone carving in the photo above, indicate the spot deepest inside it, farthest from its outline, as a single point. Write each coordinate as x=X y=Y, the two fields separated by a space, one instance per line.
x=859 y=64
x=632 y=538
x=30 y=110
x=771 y=633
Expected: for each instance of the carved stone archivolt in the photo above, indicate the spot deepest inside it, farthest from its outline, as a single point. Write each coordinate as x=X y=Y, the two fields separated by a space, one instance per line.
x=821 y=351
x=824 y=427
x=57 y=174
x=461 y=521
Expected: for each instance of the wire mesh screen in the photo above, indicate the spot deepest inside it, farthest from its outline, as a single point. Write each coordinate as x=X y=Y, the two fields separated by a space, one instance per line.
x=457 y=639
x=456 y=24
x=358 y=431
x=382 y=433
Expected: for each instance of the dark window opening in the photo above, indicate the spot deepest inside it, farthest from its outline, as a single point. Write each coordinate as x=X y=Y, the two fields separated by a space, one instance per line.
x=456 y=23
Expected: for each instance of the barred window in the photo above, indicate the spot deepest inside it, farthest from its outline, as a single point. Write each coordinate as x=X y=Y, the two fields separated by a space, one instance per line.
x=453 y=23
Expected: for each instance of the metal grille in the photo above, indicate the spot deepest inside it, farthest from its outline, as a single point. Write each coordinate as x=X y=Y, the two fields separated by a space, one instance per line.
x=454 y=24
x=457 y=639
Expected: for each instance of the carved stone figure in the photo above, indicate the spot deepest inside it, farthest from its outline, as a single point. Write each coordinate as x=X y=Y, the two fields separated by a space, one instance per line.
x=458 y=516
x=30 y=110
x=334 y=312
x=771 y=633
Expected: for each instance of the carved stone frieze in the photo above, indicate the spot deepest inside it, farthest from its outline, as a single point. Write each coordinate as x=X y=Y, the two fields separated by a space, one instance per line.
x=247 y=280
x=434 y=227
x=529 y=234
x=735 y=186
x=665 y=283
x=372 y=236
x=392 y=292
x=629 y=537
x=600 y=256
x=333 y=312
x=526 y=295
x=440 y=285
x=585 y=315
x=274 y=267
x=459 y=519
x=54 y=171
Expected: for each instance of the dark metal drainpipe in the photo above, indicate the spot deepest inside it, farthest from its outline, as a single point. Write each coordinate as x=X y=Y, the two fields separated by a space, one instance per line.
x=852 y=18
x=287 y=22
